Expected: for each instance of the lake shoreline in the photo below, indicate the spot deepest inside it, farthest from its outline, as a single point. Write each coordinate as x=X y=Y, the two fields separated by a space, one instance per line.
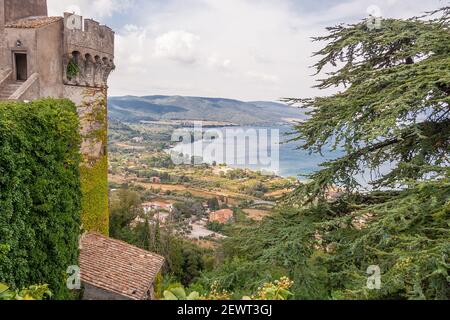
x=291 y=162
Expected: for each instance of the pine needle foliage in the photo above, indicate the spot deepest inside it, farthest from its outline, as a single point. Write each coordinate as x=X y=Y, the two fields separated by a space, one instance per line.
x=392 y=107
x=391 y=117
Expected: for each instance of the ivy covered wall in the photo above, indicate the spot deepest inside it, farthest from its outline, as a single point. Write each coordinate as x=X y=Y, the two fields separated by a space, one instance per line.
x=40 y=194
x=92 y=112
x=94 y=186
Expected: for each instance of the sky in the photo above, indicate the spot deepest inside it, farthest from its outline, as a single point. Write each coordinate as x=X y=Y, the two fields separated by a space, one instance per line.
x=240 y=49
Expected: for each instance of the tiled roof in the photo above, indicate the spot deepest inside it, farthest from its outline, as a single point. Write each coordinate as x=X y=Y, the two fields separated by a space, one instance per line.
x=118 y=267
x=32 y=22
x=158 y=204
x=222 y=216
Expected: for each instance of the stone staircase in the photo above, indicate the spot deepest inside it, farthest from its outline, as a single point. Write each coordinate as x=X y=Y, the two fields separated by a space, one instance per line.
x=8 y=89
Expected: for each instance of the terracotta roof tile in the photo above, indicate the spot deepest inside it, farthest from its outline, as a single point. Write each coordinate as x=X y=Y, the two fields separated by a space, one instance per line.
x=32 y=22
x=118 y=267
x=222 y=216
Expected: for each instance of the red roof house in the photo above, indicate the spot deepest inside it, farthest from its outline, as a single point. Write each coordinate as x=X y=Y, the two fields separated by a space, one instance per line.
x=222 y=216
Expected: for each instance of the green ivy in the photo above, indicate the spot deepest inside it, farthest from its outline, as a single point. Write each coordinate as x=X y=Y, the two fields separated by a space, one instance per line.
x=94 y=170
x=72 y=70
x=40 y=196
x=94 y=186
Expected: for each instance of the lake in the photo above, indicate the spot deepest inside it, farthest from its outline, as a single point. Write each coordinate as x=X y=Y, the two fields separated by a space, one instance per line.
x=260 y=149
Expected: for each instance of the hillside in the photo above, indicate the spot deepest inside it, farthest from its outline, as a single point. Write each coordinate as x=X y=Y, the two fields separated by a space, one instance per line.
x=151 y=108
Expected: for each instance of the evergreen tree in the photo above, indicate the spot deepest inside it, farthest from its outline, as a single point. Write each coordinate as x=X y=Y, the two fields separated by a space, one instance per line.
x=124 y=209
x=213 y=204
x=393 y=107
x=392 y=119
x=143 y=235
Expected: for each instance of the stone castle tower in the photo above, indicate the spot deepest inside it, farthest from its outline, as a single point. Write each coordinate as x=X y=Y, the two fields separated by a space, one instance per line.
x=63 y=57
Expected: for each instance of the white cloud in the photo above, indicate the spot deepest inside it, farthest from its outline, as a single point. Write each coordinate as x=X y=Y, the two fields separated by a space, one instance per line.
x=262 y=77
x=216 y=62
x=178 y=46
x=108 y=7
x=245 y=49
x=88 y=8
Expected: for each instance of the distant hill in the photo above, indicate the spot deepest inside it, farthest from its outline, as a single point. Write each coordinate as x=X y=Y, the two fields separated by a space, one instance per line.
x=153 y=108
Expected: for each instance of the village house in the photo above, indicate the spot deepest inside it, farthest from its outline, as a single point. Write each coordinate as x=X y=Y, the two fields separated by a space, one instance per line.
x=160 y=217
x=222 y=216
x=138 y=139
x=156 y=206
x=114 y=270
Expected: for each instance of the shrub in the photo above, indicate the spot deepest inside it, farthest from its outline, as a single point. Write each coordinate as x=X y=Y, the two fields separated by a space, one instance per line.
x=39 y=193
x=276 y=290
x=36 y=292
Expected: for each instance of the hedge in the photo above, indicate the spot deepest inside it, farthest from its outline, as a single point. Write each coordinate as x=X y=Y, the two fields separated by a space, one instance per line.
x=40 y=193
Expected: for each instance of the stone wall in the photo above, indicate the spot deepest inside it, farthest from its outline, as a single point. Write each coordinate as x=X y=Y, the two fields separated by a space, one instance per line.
x=92 y=293
x=27 y=38
x=49 y=46
x=91 y=49
x=29 y=90
x=92 y=110
x=17 y=9
x=92 y=71
x=2 y=35
x=94 y=37
x=88 y=54
x=43 y=47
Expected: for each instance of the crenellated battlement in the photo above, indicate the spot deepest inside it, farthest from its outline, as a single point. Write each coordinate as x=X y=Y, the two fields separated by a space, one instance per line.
x=87 y=34
x=88 y=52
